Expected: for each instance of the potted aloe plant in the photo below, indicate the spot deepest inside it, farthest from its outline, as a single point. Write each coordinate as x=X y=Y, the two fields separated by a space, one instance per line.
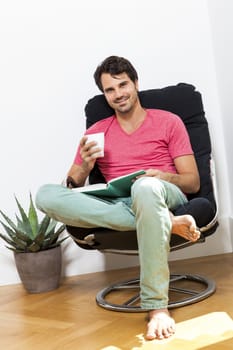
x=36 y=246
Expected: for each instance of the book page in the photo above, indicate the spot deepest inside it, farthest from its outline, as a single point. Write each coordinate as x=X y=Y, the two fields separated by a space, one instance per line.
x=88 y=188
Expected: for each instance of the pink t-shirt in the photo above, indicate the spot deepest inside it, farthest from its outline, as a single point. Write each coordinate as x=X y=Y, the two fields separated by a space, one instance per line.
x=160 y=139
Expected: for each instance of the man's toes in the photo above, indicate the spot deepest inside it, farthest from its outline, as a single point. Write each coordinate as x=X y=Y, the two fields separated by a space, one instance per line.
x=150 y=335
x=159 y=332
x=172 y=329
x=150 y=332
x=167 y=332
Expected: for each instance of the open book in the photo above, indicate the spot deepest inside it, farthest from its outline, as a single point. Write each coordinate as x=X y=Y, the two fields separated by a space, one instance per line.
x=118 y=187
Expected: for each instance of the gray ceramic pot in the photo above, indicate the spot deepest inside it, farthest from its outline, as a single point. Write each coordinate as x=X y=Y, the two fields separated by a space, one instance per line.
x=40 y=271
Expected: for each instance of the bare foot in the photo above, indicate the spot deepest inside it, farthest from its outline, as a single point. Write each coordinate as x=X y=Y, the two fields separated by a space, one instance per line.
x=160 y=325
x=185 y=226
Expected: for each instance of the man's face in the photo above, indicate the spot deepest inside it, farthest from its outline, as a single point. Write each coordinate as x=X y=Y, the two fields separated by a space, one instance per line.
x=120 y=92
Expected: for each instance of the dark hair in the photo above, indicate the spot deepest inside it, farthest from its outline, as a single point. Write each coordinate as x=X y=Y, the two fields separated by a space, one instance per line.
x=114 y=65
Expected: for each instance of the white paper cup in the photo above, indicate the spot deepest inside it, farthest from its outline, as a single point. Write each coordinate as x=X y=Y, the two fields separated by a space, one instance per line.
x=99 y=138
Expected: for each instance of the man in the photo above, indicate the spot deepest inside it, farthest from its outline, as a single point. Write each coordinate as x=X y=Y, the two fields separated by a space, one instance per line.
x=135 y=138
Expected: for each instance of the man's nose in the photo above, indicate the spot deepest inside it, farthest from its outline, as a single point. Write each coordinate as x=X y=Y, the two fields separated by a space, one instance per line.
x=118 y=93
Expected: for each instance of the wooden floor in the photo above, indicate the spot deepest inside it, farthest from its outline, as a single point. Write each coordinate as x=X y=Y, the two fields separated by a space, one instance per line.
x=68 y=318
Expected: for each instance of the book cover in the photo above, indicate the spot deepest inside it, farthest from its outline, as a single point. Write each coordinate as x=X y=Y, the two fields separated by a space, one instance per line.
x=118 y=187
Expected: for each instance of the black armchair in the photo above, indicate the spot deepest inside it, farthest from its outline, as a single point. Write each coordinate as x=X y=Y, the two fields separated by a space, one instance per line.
x=186 y=102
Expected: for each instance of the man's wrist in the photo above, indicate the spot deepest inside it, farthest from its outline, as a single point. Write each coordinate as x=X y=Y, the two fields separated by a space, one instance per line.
x=70 y=183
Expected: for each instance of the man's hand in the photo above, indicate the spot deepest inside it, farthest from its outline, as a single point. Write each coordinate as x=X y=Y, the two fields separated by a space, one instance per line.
x=78 y=174
x=89 y=152
x=186 y=178
x=157 y=173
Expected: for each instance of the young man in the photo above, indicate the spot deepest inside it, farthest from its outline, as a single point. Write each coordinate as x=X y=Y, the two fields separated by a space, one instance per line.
x=135 y=138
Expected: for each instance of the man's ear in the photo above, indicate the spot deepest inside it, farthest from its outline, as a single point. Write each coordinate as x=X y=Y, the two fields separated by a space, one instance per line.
x=136 y=84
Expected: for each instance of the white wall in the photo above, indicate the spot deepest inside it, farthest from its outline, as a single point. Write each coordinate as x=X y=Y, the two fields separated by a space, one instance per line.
x=222 y=34
x=49 y=51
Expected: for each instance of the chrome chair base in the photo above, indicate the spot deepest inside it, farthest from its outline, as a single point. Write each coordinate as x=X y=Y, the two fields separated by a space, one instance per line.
x=184 y=289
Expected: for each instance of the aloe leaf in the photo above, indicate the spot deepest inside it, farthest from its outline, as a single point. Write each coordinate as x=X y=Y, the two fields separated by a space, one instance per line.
x=21 y=210
x=18 y=238
x=52 y=231
x=33 y=218
x=14 y=242
x=7 y=240
x=19 y=221
x=61 y=229
x=55 y=244
x=40 y=238
x=48 y=243
x=34 y=248
x=9 y=221
x=62 y=240
x=14 y=230
x=54 y=236
x=13 y=249
x=44 y=224
x=25 y=219
x=8 y=230
x=51 y=246
x=19 y=243
x=51 y=228
x=21 y=227
x=16 y=249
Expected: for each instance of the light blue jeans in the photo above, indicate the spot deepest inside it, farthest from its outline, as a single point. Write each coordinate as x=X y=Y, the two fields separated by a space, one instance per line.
x=147 y=211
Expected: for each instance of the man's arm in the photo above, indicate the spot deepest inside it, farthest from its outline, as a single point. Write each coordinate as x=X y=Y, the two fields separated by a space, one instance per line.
x=78 y=174
x=76 y=177
x=187 y=177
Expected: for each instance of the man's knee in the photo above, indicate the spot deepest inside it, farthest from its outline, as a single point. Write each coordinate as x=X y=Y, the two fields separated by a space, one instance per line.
x=45 y=196
x=146 y=186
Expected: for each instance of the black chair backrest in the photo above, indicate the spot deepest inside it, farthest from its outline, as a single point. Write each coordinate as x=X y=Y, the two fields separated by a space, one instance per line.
x=183 y=100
